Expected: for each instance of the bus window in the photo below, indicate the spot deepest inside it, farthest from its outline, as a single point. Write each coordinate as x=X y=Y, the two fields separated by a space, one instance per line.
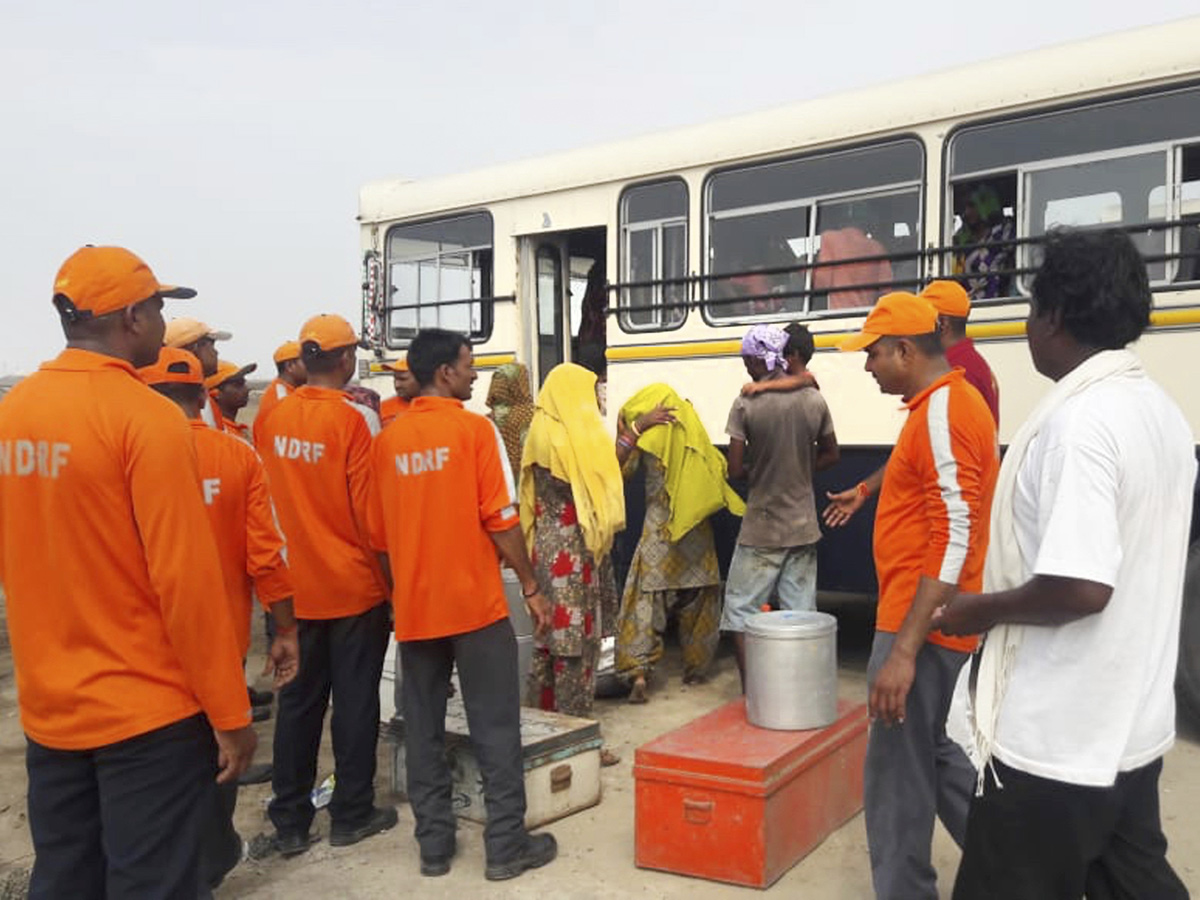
x=1188 y=267
x=653 y=243
x=1107 y=192
x=1107 y=164
x=866 y=247
x=780 y=232
x=744 y=250
x=439 y=275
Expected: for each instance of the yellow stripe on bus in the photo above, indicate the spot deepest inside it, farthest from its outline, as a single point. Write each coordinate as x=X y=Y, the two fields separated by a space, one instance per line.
x=986 y=331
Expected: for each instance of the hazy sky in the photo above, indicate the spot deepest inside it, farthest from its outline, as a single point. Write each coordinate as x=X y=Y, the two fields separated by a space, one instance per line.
x=226 y=142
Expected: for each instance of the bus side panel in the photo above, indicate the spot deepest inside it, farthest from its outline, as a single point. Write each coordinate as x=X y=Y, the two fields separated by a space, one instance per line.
x=845 y=561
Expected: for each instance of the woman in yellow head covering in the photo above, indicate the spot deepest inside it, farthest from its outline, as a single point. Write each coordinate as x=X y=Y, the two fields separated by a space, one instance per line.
x=572 y=504
x=674 y=568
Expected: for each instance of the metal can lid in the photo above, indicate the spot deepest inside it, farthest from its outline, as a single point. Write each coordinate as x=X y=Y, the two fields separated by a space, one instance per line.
x=791 y=624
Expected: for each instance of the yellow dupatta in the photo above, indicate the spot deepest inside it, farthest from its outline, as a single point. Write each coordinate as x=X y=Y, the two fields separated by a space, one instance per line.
x=568 y=437
x=695 y=469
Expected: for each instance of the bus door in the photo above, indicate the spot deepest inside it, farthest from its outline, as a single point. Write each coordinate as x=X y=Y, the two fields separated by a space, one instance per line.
x=560 y=274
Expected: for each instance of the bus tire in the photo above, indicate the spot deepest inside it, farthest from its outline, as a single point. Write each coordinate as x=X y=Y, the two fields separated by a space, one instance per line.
x=1187 y=674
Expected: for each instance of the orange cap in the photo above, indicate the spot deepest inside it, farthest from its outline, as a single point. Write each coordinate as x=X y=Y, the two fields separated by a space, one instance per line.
x=396 y=365
x=328 y=332
x=949 y=298
x=174 y=366
x=184 y=332
x=100 y=280
x=287 y=350
x=898 y=314
x=227 y=371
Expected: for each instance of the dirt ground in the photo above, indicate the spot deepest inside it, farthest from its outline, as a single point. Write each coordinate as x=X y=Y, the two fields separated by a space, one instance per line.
x=596 y=845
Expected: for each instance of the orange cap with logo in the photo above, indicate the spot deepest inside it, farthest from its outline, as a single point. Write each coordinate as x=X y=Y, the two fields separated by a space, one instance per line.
x=328 y=332
x=287 y=350
x=101 y=280
x=174 y=366
x=183 y=332
x=898 y=314
x=227 y=371
x=949 y=298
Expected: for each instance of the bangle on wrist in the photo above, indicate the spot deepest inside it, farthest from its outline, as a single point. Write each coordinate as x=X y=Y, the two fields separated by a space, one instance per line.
x=527 y=594
x=637 y=432
x=625 y=442
x=862 y=490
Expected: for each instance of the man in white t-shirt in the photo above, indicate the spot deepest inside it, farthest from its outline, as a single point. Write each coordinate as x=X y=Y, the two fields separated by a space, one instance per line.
x=1099 y=512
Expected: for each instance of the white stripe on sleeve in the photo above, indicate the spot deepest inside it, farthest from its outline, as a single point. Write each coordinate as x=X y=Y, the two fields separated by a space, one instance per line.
x=947 y=470
x=368 y=414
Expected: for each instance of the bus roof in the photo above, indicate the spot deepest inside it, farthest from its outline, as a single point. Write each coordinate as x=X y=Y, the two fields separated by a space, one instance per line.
x=1141 y=56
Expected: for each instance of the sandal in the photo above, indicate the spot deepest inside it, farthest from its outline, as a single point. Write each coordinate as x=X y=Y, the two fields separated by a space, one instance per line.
x=637 y=693
x=608 y=758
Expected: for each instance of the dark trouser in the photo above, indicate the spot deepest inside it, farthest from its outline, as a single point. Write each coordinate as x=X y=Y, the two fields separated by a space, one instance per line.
x=344 y=656
x=1048 y=839
x=914 y=773
x=124 y=820
x=487 y=671
x=222 y=847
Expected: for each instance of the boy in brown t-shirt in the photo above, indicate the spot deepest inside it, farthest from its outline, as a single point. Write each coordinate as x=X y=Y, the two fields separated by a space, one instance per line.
x=790 y=435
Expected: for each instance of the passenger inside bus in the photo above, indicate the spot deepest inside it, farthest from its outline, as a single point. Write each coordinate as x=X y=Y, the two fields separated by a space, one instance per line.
x=748 y=278
x=985 y=252
x=858 y=282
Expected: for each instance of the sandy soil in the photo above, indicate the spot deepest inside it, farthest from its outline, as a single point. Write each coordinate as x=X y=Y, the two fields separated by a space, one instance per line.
x=596 y=845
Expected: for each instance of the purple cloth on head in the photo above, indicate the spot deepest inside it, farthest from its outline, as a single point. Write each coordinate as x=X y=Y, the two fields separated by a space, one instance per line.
x=766 y=342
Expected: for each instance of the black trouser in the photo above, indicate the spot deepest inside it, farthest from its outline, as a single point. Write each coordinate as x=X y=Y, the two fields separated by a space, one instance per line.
x=487 y=672
x=344 y=656
x=124 y=820
x=222 y=845
x=1044 y=839
x=914 y=774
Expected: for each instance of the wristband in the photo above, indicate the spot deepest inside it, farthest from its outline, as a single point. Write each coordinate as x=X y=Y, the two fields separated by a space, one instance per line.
x=862 y=490
x=625 y=442
x=536 y=590
x=284 y=631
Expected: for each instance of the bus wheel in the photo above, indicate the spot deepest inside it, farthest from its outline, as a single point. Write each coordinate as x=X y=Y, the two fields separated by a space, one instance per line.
x=1187 y=677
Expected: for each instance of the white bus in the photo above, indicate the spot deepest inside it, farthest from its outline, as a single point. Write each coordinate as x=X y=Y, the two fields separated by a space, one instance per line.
x=808 y=213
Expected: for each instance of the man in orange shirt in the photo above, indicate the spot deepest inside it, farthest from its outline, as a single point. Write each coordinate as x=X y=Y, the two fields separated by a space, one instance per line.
x=318 y=459
x=198 y=339
x=289 y=375
x=406 y=389
x=227 y=388
x=447 y=505
x=931 y=532
x=125 y=669
x=251 y=551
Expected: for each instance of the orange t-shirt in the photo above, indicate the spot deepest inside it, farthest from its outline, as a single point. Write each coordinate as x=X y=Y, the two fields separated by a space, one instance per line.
x=318 y=461
x=243 y=522
x=392 y=407
x=444 y=484
x=108 y=561
x=276 y=391
x=936 y=500
x=234 y=427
